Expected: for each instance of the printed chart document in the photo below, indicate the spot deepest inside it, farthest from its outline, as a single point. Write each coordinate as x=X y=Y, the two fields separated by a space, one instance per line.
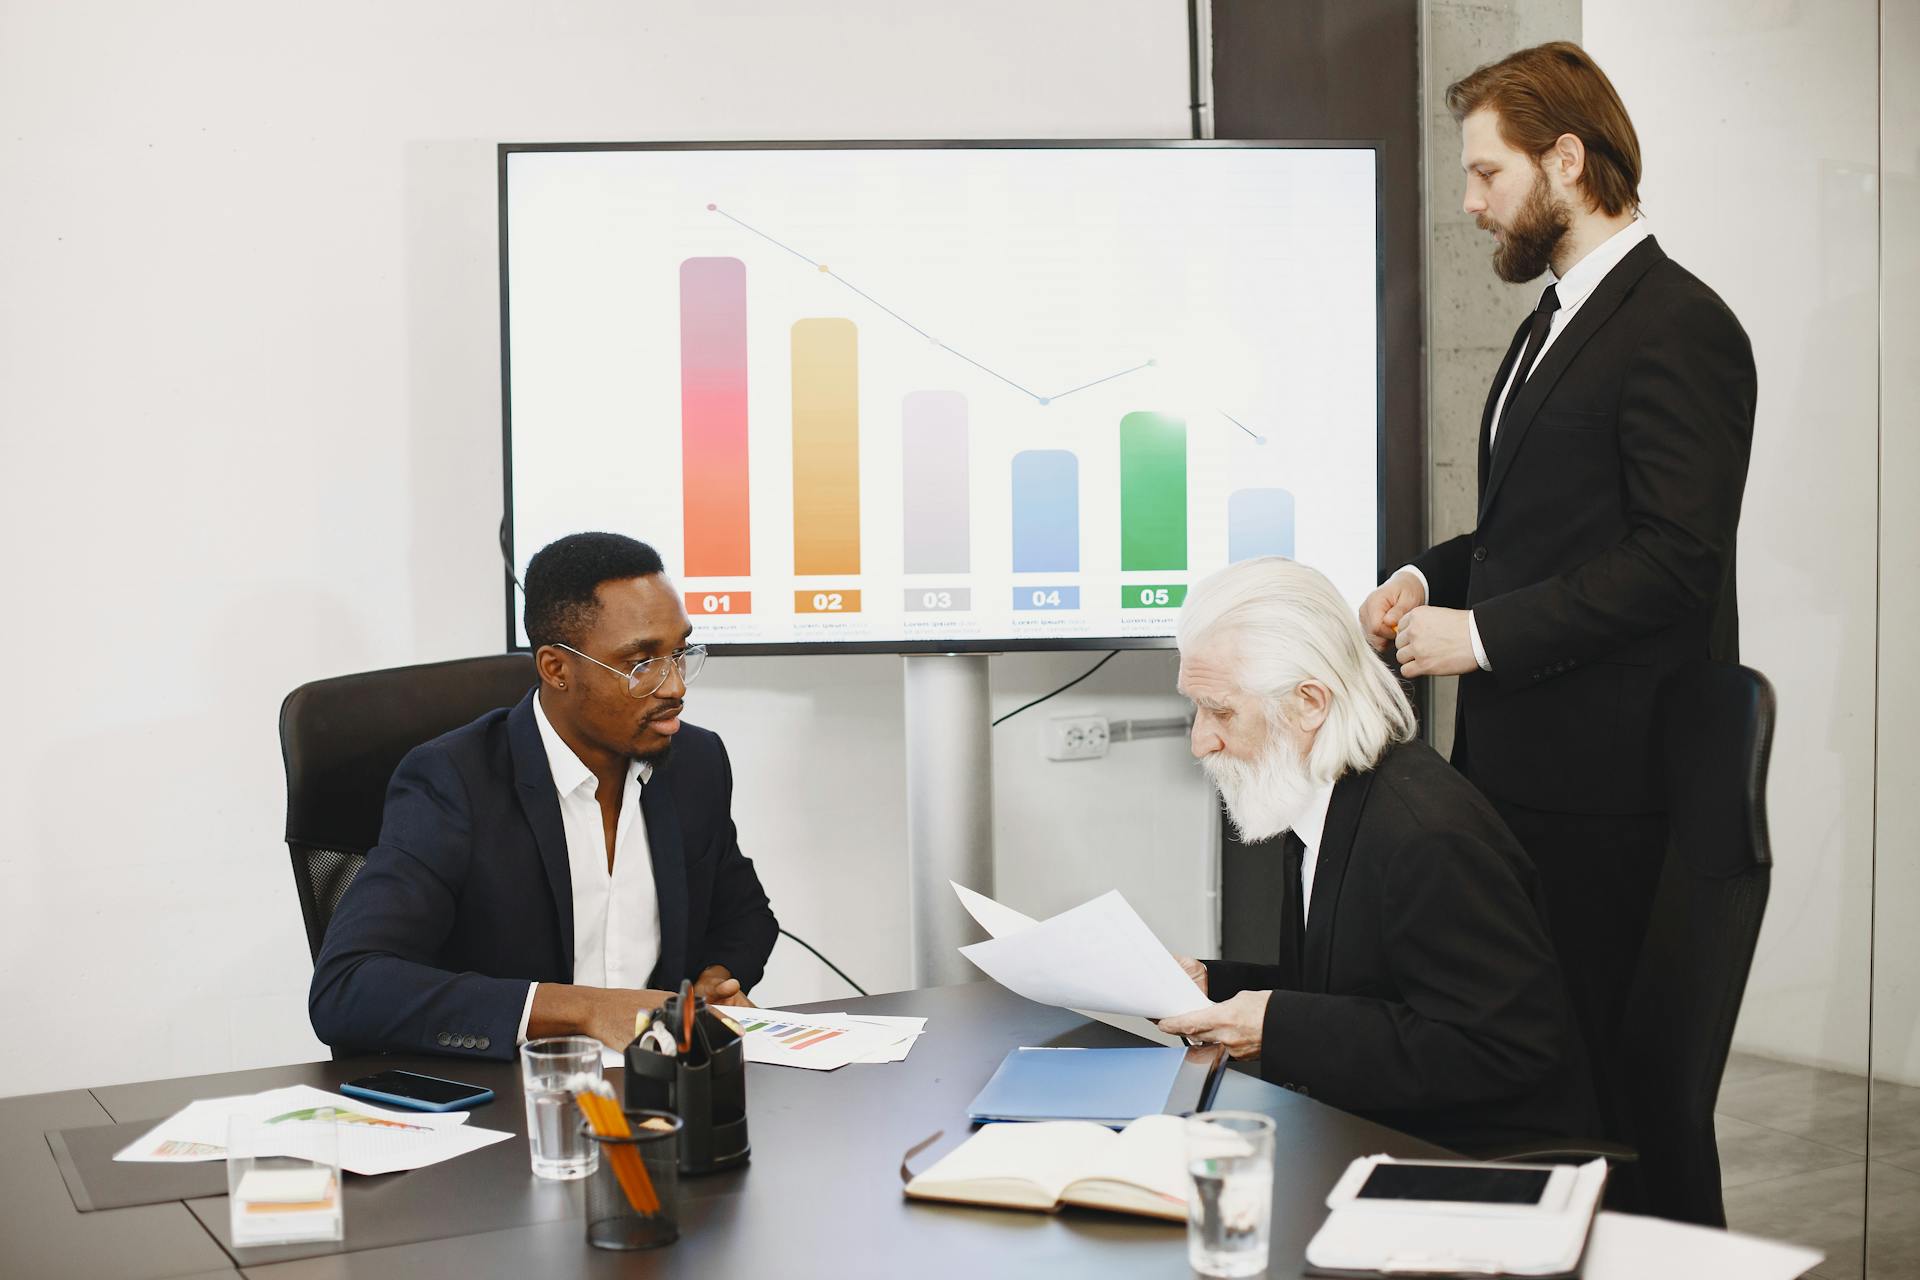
x=1099 y=955
x=824 y=1041
x=371 y=1139
x=782 y=1041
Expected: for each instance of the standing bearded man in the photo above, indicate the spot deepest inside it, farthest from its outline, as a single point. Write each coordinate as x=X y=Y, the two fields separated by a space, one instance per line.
x=1613 y=457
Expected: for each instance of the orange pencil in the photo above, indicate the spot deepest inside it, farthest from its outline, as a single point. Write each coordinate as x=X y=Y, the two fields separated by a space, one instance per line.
x=607 y=1120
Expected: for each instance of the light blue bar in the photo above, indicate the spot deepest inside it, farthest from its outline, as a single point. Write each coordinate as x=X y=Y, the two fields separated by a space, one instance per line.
x=1046 y=511
x=1046 y=598
x=1259 y=523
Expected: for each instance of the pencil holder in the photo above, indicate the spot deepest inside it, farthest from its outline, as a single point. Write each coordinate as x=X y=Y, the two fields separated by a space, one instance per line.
x=704 y=1083
x=624 y=1209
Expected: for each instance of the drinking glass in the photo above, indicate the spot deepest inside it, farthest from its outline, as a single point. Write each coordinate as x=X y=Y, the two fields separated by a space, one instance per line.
x=1230 y=1205
x=553 y=1071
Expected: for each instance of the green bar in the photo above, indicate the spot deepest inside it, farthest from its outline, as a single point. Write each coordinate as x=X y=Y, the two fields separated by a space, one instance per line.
x=1153 y=595
x=1153 y=492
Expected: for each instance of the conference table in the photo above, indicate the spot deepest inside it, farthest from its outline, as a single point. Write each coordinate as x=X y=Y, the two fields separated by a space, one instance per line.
x=820 y=1197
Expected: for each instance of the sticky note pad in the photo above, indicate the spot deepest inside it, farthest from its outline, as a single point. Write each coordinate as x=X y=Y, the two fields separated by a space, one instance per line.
x=285 y=1186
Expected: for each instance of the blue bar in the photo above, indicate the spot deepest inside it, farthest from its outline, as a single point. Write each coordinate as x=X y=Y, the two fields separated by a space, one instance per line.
x=1046 y=598
x=1046 y=511
x=1259 y=523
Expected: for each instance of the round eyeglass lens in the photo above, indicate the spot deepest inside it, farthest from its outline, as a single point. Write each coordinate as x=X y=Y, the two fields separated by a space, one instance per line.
x=651 y=676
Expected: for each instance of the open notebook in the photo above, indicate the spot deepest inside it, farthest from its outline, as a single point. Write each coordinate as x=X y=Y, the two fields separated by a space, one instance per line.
x=1140 y=1169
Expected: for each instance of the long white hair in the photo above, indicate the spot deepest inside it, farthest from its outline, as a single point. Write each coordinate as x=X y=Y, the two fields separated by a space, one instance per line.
x=1284 y=624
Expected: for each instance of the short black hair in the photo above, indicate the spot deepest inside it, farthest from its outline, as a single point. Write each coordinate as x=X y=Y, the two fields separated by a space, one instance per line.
x=564 y=575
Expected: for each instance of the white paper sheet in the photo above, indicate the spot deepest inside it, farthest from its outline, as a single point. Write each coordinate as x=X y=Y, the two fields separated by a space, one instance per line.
x=371 y=1139
x=895 y=1052
x=1099 y=955
x=1626 y=1246
x=998 y=919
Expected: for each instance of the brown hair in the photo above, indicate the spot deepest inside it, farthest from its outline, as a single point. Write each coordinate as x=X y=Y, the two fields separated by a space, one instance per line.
x=1540 y=93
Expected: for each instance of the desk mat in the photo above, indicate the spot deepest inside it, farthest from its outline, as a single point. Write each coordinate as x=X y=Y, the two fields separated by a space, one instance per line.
x=96 y=1181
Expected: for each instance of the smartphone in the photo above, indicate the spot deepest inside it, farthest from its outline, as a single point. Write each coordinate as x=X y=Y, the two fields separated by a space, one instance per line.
x=1426 y=1186
x=418 y=1092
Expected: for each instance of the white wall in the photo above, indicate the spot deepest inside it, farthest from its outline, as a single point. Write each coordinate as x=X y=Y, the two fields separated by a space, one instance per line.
x=1758 y=128
x=250 y=417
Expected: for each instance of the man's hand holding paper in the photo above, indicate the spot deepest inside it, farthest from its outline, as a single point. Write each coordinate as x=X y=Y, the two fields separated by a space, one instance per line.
x=1237 y=1023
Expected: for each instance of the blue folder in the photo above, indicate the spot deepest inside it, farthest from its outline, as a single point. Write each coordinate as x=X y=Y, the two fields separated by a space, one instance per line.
x=1113 y=1087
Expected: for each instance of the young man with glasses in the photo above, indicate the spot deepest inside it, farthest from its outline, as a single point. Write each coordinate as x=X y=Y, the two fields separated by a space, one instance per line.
x=556 y=867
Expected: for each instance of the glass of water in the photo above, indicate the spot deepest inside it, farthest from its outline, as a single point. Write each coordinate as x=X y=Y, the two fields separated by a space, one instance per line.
x=1230 y=1205
x=553 y=1071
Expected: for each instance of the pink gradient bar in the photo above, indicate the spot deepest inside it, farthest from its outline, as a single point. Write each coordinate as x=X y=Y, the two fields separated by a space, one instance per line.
x=713 y=416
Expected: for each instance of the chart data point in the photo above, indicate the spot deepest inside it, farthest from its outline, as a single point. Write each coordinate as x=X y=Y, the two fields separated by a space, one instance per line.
x=825 y=270
x=1045 y=399
x=1259 y=439
x=712 y=208
x=1150 y=363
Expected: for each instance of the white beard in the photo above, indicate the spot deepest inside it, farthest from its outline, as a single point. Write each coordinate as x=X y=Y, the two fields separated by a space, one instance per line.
x=1264 y=797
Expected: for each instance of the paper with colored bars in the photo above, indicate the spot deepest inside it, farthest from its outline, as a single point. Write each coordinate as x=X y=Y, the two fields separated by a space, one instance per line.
x=1098 y=956
x=824 y=1041
x=371 y=1139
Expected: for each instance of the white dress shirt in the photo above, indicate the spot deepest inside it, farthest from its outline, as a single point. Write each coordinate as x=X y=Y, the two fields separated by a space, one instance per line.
x=1310 y=826
x=616 y=914
x=1582 y=278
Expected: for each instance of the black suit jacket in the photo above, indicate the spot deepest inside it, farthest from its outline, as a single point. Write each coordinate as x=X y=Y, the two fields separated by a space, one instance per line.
x=1430 y=1000
x=1604 y=552
x=468 y=896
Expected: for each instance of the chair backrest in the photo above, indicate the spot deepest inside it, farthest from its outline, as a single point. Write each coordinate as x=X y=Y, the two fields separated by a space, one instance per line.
x=1715 y=735
x=341 y=740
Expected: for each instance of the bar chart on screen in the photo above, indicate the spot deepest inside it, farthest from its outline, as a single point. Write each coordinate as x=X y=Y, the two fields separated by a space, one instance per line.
x=945 y=396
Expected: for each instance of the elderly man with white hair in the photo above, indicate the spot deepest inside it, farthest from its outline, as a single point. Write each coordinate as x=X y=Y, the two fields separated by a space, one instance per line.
x=1415 y=983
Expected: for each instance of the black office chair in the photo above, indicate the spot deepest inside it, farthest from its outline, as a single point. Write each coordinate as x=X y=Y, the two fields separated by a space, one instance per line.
x=1715 y=736
x=341 y=740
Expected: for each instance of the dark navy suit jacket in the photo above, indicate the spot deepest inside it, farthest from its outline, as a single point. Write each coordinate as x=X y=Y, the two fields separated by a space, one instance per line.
x=468 y=898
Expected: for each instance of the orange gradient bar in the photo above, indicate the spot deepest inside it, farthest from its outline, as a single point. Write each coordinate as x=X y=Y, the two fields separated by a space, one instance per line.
x=826 y=447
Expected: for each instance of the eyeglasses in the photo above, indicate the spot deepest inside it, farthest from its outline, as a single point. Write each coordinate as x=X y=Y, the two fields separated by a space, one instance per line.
x=647 y=678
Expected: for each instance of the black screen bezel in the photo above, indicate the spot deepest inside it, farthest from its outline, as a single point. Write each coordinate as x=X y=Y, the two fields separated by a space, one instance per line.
x=1422 y=1180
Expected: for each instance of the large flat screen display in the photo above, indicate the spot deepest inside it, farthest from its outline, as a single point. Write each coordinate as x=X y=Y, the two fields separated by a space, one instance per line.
x=953 y=396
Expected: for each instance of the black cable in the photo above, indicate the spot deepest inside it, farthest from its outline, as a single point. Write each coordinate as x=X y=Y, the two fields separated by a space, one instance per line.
x=1194 y=102
x=823 y=960
x=506 y=557
x=1062 y=689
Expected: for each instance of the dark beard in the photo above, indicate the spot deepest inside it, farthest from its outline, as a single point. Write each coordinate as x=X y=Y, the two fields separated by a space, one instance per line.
x=1526 y=248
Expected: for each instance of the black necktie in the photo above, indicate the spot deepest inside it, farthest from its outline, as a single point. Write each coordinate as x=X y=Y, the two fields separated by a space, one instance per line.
x=1293 y=912
x=1538 y=326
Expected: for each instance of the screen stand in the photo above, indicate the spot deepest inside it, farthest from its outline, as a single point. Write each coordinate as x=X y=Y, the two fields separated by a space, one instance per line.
x=949 y=808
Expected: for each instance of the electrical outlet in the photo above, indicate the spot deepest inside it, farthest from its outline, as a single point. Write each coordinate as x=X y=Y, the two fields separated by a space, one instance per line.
x=1075 y=737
